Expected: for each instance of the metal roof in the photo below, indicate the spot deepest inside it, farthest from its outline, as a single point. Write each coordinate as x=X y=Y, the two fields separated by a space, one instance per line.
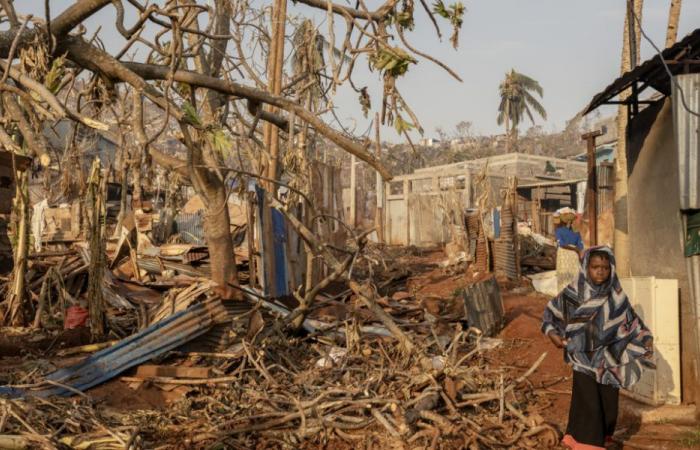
x=652 y=72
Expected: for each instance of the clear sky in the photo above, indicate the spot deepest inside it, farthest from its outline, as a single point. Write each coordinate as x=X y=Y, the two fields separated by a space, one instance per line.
x=572 y=47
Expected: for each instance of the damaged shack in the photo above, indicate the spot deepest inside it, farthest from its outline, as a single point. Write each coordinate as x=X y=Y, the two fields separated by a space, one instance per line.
x=657 y=215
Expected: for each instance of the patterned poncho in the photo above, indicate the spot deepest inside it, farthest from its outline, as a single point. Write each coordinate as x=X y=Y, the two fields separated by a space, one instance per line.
x=605 y=337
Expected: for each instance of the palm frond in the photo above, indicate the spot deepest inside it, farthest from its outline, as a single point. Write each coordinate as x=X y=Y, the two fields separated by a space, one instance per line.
x=529 y=114
x=536 y=105
x=528 y=83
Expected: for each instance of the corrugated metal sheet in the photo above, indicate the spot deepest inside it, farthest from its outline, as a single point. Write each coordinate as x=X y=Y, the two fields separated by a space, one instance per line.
x=606 y=187
x=191 y=227
x=155 y=340
x=484 y=307
x=687 y=131
x=154 y=266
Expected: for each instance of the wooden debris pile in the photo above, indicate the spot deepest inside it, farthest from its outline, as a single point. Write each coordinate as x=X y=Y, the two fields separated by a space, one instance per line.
x=272 y=391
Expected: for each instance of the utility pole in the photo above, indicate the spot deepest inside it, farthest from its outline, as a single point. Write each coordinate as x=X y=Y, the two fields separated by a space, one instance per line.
x=274 y=74
x=275 y=63
x=592 y=188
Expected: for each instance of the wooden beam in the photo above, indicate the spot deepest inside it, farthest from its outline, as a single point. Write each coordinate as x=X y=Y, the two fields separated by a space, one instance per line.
x=591 y=187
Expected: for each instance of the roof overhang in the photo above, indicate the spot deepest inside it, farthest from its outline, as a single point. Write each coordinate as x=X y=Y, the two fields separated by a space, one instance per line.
x=682 y=57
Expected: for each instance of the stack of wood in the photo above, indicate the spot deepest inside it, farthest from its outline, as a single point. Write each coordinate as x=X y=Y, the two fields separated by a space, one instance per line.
x=55 y=280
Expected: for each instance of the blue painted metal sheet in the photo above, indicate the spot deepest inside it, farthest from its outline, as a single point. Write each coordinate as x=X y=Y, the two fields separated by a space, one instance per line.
x=497 y=223
x=153 y=341
x=278 y=287
x=279 y=229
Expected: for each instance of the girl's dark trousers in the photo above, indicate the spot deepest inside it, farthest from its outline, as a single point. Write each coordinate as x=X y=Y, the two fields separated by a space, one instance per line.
x=593 y=411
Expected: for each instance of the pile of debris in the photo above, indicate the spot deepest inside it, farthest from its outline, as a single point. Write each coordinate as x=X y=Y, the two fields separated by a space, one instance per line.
x=245 y=381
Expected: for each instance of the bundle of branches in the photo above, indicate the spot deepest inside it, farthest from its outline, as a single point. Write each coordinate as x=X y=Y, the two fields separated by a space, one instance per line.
x=54 y=280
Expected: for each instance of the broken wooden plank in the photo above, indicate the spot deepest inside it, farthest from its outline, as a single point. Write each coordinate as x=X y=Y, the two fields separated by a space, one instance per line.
x=153 y=371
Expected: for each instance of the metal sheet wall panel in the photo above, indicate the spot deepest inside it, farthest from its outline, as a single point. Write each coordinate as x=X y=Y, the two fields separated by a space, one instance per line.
x=687 y=132
x=484 y=306
x=191 y=227
x=606 y=183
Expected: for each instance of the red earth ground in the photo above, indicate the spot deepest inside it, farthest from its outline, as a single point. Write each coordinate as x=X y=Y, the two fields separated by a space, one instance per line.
x=523 y=343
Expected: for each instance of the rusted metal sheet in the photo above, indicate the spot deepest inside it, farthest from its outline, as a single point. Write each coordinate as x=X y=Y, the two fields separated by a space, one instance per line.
x=484 y=307
x=606 y=187
x=504 y=258
x=687 y=131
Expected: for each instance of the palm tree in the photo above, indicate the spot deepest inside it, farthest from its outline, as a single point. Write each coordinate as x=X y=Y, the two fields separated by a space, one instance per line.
x=516 y=102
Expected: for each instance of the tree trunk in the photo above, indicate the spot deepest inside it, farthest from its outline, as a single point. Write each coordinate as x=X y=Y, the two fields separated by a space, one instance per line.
x=621 y=236
x=217 y=233
x=508 y=146
x=123 y=197
x=15 y=313
x=674 y=15
x=96 y=308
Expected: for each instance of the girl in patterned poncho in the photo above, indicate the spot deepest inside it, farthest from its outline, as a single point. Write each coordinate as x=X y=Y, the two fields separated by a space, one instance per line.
x=605 y=342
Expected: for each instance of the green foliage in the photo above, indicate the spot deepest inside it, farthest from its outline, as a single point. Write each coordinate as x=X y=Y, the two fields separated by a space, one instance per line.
x=191 y=114
x=220 y=141
x=183 y=89
x=401 y=125
x=392 y=60
x=52 y=81
x=405 y=19
x=691 y=439
x=455 y=14
x=517 y=100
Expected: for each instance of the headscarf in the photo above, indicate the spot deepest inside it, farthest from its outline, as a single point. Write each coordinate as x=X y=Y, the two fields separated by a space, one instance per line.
x=565 y=215
x=606 y=339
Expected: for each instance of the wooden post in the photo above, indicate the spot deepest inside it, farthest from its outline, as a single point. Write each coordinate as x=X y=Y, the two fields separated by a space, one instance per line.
x=592 y=188
x=275 y=64
x=408 y=215
x=514 y=209
x=96 y=236
x=353 y=192
x=250 y=209
x=379 y=211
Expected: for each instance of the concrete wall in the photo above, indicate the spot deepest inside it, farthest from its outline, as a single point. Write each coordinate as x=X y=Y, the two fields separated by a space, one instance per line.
x=526 y=167
x=656 y=228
